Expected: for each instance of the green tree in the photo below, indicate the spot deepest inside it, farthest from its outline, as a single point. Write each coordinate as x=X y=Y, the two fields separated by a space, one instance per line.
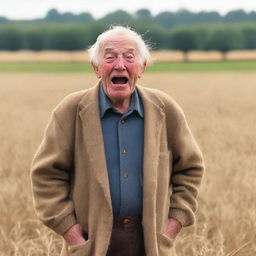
x=158 y=37
x=68 y=38
x=207 y=17
x=94 y=30
x=183 y=40
x=185 y=17
x=249 y=37
x=11 y=39
x=236 y=16
x=117 y=17
x=35 y=39
x=84 y=17
x=143 y=14
x=252 y=16
x=224 y=40
x=67 y=17
x=201 y=34
x=153 y=34
x=3 y=20
x=52 y=15
x=166 y=19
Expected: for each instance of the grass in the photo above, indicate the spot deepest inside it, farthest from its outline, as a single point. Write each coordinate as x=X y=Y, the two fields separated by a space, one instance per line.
x=220 y=108
x=68 y=67
x=203 y=66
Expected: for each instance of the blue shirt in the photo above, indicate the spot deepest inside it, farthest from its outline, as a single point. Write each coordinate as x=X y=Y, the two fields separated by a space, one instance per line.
x=124 y=146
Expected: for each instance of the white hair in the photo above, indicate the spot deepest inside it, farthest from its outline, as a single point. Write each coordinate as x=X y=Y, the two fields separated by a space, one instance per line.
x=143 y=48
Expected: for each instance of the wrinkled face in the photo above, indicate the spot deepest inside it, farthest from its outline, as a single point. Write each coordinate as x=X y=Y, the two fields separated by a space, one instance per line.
x=119 y=67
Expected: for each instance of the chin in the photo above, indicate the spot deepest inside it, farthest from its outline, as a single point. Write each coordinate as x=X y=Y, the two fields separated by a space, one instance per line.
x=120 y=95
x=120 y=92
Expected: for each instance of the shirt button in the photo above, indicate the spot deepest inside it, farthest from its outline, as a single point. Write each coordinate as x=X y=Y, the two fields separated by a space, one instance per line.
x=125 y=151
x=122 y=121
x=125 y=175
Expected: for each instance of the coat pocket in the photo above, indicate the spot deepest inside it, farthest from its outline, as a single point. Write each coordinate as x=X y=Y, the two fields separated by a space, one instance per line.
x=79 y=249
x=166 y=241
x=166 y=245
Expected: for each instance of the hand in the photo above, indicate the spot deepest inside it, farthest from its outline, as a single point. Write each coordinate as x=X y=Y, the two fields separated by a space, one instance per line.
x=74 y=235
x=172 y=228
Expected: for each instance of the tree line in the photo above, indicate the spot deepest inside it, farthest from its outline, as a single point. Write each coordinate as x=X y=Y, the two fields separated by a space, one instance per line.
x=80 y=36
x=165 y=19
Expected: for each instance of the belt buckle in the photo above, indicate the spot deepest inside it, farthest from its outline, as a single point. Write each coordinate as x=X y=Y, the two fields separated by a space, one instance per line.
x=126 y=221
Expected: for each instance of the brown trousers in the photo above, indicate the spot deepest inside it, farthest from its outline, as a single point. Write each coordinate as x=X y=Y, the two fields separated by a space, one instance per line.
x=127 y=237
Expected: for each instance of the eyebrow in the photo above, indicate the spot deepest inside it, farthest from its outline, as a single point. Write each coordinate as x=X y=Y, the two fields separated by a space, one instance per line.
x=110 y=49
x=130 y=49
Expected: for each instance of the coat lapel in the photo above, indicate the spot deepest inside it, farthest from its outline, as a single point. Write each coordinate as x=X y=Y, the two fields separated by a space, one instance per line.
x=93 y=139
x=153 y=121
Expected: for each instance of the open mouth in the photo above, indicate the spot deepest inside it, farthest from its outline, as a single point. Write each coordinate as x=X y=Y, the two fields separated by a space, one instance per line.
x=119 y=80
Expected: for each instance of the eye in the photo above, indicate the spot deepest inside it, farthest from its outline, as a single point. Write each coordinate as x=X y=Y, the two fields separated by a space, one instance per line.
x=109 y=57
x=129 y=56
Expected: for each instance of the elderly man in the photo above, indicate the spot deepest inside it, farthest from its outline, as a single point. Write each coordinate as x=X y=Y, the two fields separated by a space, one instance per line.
x=118 y=170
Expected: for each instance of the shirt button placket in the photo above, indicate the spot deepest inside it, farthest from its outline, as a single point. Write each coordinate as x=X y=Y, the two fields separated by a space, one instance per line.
x=123 y=158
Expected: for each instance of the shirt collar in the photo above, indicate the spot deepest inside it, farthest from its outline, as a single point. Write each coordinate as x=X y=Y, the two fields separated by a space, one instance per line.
x=105 y=104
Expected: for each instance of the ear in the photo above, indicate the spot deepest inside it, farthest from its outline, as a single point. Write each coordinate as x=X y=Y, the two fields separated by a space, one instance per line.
x=96 y=70
x=142 y=68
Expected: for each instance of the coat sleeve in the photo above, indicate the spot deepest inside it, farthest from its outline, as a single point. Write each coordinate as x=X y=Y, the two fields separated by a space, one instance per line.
x=187 y=169
x=50 y=174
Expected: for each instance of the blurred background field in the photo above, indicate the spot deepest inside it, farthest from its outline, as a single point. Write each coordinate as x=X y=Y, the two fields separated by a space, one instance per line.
x=220 y=108
x=163 y=61
x=204 y=60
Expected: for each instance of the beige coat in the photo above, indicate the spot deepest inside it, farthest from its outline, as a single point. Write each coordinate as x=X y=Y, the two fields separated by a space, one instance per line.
x=70 y=180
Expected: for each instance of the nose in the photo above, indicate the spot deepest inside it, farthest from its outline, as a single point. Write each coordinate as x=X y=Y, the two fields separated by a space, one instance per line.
x=120 y=64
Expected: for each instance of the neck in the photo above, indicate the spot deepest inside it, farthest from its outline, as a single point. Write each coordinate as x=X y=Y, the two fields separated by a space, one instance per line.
x=121 y=105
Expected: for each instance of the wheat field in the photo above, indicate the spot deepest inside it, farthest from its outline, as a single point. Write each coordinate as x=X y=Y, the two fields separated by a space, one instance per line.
x=157 y=56
x=221 y=111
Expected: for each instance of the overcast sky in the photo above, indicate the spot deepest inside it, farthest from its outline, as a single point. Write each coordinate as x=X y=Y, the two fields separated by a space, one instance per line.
x=29 y=9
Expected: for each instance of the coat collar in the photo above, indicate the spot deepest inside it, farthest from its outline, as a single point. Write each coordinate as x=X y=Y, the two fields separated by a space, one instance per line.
x=153 y=117
x=93 y=138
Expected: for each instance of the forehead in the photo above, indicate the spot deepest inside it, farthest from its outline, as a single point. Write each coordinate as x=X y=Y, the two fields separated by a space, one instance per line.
x=118 y=42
